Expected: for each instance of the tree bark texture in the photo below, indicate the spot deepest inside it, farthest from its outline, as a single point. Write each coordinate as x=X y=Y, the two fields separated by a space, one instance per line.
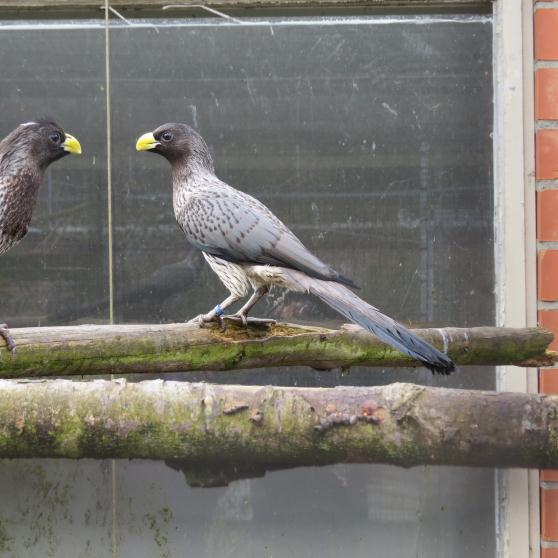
x=121 y=349
x=208 y=426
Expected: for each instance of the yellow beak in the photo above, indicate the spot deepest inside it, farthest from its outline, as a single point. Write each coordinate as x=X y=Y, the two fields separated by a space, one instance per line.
x=147 y=141
x=71 y=145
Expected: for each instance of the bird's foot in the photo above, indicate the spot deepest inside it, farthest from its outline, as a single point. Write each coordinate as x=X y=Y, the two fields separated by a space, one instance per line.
x=10 y=343
x=203 y=319
x=242 y=319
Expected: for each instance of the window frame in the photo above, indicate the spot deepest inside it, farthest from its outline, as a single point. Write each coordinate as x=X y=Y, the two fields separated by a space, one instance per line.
x=518 y=521
x=20 y=5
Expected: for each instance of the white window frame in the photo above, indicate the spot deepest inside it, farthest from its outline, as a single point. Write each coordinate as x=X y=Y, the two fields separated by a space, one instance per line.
x=518 y=519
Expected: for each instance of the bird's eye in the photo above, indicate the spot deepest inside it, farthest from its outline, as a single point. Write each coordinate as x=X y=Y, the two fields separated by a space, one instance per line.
x=166 y=136
x=55 y=137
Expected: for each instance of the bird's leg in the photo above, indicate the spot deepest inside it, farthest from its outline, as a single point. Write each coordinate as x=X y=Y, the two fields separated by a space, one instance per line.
x=242 y=314
x=10 y=343
x=217 y=313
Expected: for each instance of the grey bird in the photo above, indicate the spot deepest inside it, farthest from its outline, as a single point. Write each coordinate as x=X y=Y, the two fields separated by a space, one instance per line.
x=247 y=246
x=25 y=154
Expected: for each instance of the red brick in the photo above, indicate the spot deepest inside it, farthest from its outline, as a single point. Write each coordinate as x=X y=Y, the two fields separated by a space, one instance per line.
x=548 y=383
x=546 y=94
x=547 y=154
x=546 y=34
x=549 y=320
x=547 y=275
x=547 y=215
x=548 y=380
x=549 y=475
x=549 y=514
x=549 y=552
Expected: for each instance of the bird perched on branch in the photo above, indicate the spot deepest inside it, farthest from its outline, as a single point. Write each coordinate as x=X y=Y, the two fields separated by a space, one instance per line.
x=25 y=154
x=246 y=245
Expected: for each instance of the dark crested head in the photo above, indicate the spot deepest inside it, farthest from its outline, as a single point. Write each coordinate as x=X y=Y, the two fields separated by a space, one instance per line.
x=44 y=141
x=178 y=143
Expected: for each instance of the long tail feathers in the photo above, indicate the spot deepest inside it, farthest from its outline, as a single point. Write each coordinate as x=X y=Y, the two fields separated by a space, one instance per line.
x=360 y=312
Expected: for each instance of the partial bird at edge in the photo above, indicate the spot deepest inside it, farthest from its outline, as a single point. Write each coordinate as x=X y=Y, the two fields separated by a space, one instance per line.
x=25 y=154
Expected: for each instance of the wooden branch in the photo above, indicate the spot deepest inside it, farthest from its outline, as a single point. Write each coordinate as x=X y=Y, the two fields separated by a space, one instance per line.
x=212 y=427
x=96 y=349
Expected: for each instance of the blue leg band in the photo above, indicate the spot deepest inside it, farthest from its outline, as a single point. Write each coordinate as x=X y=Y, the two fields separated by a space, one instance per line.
x=218 y=311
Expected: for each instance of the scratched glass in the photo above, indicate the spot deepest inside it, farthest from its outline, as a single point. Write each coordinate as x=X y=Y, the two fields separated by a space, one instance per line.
x=371 y=138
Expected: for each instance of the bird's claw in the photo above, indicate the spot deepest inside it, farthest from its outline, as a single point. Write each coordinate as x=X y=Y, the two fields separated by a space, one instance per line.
x=237 y=318
x=222 y=324
x=202 y=319
x=10 y=343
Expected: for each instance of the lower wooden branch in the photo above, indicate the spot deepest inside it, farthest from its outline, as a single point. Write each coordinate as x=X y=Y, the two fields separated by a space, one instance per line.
x=215 y=427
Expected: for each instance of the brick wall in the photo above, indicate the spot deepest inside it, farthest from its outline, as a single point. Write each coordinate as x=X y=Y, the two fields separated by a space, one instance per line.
x=546 y=114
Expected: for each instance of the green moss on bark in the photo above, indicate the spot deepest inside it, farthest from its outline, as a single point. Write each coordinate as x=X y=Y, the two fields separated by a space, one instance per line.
x=177 y=347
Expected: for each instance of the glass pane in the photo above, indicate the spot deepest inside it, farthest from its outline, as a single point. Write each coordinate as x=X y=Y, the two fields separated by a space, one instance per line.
x=55 y=507
x=371 y=138
x=57 y=274
x=360 y=136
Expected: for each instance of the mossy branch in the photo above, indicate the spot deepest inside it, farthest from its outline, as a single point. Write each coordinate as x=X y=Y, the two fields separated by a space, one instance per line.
x=215 y=427
x=121 y=349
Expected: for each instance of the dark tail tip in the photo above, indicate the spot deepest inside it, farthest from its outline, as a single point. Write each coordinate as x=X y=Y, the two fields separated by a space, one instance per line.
x=346 y=281
x=444 y=366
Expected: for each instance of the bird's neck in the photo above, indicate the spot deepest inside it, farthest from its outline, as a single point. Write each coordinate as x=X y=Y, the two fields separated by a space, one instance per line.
x=190 y=175
x=186 y=182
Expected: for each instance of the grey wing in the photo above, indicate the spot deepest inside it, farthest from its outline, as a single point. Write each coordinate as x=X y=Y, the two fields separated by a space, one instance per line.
x=241 y=229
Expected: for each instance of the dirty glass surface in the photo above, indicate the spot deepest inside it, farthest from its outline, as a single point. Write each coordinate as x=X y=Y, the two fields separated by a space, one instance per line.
x=371 y=138
x=62 y=262
x=52 y=507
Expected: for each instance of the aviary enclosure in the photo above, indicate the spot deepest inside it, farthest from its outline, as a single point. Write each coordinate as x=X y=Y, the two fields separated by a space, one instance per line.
x=371 y=136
